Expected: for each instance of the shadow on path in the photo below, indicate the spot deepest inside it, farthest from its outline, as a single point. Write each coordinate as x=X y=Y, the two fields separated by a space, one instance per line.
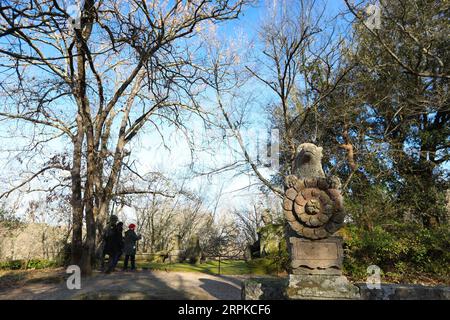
x=140 y=285
x=220 y=289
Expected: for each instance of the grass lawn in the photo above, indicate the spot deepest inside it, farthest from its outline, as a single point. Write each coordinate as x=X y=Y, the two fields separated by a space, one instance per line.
x=227 y=267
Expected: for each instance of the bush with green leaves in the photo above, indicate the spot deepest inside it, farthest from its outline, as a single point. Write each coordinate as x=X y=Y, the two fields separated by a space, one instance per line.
x=402 y=251
x=272 y=263
x=11 y=265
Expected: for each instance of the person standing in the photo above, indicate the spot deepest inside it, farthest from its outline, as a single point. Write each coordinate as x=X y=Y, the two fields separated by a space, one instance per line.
x=107 y=240
x=114 y=247
x=130 y=247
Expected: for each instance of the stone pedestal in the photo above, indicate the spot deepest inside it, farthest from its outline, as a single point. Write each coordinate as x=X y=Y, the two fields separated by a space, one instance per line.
x=316 y=256
x=316 y=270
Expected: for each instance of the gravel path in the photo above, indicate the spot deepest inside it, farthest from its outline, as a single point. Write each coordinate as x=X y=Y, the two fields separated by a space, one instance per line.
x=133 y=285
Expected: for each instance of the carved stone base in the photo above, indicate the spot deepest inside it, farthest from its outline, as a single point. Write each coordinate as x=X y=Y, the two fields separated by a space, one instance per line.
x=317 y=287
x=316 y=256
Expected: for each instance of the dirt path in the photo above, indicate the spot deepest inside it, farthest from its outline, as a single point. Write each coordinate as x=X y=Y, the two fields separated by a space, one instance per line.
x=129 y=285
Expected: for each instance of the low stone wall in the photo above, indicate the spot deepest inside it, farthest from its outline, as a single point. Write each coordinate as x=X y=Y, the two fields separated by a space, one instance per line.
x=404 y=292
x=274 y=289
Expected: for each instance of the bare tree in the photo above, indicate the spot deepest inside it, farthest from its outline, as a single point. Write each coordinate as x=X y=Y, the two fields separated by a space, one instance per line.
x=299 y=62
x=96 y=81
x=223 y=239
x=249 y=221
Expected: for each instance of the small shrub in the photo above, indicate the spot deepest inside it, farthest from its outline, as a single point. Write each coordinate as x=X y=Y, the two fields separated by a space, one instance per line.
x=30 y=264
x=12 y=265
x=267 y=265
x=40 y=264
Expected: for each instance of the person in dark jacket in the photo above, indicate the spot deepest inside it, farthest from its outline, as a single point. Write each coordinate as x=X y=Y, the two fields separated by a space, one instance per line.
x=130 y=247
x=114 y=246
x=106 y=243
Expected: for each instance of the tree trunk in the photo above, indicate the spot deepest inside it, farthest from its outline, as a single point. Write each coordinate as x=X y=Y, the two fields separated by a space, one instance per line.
x=89 y=257
x=101 y=219
x=76 y=200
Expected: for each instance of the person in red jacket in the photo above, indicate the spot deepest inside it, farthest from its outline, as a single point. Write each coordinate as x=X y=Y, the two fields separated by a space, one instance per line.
x=130 y=247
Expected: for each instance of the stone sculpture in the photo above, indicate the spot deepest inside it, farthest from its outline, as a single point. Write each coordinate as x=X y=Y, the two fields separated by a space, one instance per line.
x=313 y=204
x=194 y=250
x=175 y=253
x=271 y=238
x=314 y=211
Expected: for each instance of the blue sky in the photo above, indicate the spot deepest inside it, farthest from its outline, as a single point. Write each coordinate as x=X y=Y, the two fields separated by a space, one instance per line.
x=233 y=187
x=150 y=154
